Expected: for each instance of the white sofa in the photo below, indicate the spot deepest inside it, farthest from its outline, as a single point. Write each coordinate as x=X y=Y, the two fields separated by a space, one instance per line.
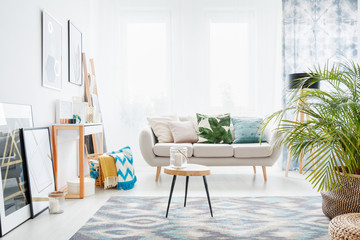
x=244 y=154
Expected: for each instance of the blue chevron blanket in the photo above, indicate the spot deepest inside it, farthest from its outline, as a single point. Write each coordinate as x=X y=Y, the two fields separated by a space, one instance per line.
x=125 y=168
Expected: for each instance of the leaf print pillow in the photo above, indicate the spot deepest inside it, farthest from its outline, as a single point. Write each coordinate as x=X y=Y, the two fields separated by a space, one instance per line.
x=214 y=129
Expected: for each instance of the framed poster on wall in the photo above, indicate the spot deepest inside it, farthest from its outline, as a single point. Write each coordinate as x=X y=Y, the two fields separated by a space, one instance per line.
x=51 y=52
x=39 y=162
x=74 y=54
x=14 y=190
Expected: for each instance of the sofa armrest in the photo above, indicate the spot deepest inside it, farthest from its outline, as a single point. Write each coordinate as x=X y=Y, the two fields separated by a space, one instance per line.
x=146 y=143
x=270 y=134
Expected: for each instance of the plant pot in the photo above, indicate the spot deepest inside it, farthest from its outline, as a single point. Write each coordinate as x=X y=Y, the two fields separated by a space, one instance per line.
x=344 y=200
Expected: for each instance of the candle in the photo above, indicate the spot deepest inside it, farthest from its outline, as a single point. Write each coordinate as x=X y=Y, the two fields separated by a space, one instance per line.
x=178 y=160
x=54 y=205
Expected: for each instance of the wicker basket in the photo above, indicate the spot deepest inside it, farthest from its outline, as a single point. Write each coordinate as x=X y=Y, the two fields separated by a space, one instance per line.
x=94 y=166
x=346 y=226
x=345 y=200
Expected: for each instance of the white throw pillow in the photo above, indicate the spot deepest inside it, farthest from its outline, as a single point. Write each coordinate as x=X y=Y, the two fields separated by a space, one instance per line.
x=183 y=132
x=161 y=129
x=191 y=119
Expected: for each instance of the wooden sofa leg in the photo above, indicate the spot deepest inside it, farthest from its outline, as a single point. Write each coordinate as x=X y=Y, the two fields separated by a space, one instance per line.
x=158 y=171
x=264 y=172
x=254 y=169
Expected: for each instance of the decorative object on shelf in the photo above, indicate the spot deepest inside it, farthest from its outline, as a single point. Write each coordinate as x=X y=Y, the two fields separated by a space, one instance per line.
x=90 y=111
x=14 y=190
x=178 y=158
x=64 y=110
x=330 y=135
x=38 y=156
x=79 y=109
x=75 y=50
x=77 y=119
x=52 y=52
x=56 y=202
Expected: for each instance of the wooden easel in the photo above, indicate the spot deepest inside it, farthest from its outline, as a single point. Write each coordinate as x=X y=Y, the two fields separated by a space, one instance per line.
x=90 y=79
x=302 y=116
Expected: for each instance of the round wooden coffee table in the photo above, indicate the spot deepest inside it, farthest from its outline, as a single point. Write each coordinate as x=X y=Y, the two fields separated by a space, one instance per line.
x=189 y=170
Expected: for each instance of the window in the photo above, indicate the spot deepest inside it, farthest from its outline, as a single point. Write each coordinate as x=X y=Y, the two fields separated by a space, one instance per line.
x=230 y=62
x=145 y=57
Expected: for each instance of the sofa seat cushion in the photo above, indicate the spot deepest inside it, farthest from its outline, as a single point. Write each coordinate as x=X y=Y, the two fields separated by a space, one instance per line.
x=163 y=149
x=212 y=150
x=251 y=150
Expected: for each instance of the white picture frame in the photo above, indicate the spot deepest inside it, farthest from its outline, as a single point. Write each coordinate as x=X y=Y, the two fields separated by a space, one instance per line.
x=74 y=54
x=40 y=169
x=51 y=52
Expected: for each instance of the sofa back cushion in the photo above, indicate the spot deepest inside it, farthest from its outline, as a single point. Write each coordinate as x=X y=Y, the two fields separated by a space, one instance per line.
x=247 y=130
x=214 y=128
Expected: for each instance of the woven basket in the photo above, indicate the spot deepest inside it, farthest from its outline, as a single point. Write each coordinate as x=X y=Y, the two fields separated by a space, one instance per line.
x=346 y=226
x=345 y=200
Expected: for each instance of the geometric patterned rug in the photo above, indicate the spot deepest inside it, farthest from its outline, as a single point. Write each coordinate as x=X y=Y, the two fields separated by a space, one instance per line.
x=234 y=218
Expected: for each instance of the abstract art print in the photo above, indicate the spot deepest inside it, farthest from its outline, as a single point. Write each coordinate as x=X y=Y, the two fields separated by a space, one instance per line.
x=39 y=164
x=14 y=191
x=75 y=50
x=52 y=52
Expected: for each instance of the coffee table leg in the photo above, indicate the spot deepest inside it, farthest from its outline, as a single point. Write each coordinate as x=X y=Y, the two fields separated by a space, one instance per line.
x=186 y=188
x=208 y=196
x=171 y=191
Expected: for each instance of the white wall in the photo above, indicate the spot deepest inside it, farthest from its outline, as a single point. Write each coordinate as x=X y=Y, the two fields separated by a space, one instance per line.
x=20 y=62
x=20 y=53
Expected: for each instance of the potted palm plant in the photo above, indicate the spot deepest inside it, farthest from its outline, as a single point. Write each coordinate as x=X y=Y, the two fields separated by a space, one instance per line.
x=331 y=135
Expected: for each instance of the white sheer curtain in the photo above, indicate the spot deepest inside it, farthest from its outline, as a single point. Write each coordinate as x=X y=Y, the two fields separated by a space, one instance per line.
x=187 y=56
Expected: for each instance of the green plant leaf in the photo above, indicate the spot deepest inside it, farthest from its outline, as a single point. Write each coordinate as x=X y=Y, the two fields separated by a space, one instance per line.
x=330 y=137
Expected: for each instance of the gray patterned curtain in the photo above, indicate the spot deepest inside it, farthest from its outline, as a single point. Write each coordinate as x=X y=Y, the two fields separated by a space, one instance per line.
x=315 y=31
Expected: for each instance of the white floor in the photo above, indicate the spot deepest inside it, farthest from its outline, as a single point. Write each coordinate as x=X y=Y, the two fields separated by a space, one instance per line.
x=223 y=182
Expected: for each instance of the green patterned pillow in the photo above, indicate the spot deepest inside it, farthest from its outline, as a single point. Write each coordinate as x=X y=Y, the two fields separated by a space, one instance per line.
x=214 y=129
x=246 y=130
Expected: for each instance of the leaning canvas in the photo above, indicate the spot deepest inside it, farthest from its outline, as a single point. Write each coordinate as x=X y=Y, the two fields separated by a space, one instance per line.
x=14 y=190
x=39 y=163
